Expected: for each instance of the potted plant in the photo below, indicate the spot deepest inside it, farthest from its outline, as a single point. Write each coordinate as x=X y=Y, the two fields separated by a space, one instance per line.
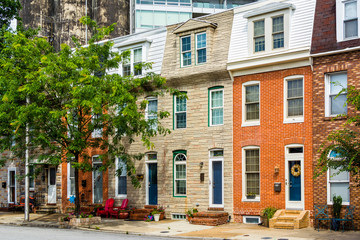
x=267 y=214
x=337 y=202
x=123 y=214
x=161 y=209
x=190 y=214
x=156 y=214
x=250 y=195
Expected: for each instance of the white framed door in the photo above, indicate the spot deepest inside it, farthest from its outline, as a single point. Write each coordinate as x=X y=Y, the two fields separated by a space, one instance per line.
x=216 y=178
x=52 y=185
x=151 y=178
x=294 y=177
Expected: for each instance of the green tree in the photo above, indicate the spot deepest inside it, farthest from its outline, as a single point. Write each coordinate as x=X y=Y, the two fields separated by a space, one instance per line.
x=9 y=9
x=71 y=95
x=345 y=141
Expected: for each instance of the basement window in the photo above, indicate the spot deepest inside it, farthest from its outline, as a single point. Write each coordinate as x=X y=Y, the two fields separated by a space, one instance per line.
x=178 y=216
x=251 y=219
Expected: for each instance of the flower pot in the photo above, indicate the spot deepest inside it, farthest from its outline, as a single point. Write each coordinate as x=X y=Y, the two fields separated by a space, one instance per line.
x=156 y=217
x=335 y=224
x=189 y=218
x=123 y=215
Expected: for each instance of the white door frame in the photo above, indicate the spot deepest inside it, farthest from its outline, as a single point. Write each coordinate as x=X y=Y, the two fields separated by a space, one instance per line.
x=298 y=205
x=50 y=167
x=10 y=169
x=211 y=160
x=147 y=175
x=92 y=178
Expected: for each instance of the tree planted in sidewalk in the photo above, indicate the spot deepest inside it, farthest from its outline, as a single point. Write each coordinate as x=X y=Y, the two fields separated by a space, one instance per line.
x=75 y=103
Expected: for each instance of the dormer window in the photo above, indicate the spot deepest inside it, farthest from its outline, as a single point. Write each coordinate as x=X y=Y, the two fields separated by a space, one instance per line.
x=347 y=19
x=201 y=48
x=278 y=32
x=132 y=64
x=259 y=36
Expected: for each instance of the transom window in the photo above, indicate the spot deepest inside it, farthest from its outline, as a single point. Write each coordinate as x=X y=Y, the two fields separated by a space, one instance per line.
x=180 y=174
x=186 y=51
x=295 y=100
x=180 y=112
x=252 y=171
x=252 y=102
x=259 y=36
x=216 y=107
x=336 y=104
x=278 y=32
x=201 y=47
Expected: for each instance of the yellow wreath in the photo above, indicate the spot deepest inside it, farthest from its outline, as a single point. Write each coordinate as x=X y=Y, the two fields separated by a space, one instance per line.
x=296 y=170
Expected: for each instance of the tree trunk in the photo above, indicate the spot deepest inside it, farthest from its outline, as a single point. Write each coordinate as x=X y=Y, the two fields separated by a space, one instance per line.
x=77 y=192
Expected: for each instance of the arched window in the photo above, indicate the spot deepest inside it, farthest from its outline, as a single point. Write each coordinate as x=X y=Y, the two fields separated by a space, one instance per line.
x=179 y=174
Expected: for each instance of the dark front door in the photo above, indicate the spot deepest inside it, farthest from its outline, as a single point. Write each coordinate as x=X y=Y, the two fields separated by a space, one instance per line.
x=295 y=181
x=98 y=183
x=153 y=189
x=217 y=182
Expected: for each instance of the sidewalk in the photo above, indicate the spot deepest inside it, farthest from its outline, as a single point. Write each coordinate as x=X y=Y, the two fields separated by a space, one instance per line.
x=182 y=229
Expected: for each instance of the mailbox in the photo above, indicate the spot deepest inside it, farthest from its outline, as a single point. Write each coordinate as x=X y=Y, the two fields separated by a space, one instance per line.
x=83 y=183
x=202 y=177
x=3 y=184
x=277 y=187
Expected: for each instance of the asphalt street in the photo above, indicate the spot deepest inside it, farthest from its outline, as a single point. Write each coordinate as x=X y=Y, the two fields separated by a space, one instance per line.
x=32 y=233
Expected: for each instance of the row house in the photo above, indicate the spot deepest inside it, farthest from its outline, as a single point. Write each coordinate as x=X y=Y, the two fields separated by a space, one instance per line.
x=269 y=60
x=335 y=52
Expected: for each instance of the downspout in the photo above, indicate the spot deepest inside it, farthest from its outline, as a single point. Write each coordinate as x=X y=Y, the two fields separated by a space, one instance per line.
x=86 y=26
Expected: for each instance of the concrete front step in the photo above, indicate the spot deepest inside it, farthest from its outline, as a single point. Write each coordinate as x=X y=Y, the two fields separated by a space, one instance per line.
x=284 y=225
x=290 y=219
x=47 y=209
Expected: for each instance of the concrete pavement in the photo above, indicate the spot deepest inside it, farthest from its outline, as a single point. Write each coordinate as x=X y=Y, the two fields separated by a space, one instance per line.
x=182 y=229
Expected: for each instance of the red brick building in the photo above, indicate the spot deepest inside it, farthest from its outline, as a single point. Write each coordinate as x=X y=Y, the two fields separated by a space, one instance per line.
x=272 y=115
x=336 y=58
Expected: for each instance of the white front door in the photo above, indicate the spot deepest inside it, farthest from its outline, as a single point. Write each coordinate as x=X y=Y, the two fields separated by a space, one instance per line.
x=52 y=185
x=294 y=177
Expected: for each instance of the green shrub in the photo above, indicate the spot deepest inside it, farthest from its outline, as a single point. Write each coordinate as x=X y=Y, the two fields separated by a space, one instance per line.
x=337 y=202
x=269 y=212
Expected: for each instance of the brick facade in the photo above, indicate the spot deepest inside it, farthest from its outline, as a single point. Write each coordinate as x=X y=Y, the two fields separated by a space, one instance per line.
x=322 y=126
x=271 y=136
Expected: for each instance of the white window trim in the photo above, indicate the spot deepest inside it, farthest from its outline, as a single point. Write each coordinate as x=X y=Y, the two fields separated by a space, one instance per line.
x=340 y=14
x=196 y=49
x=268 y=31
x=147 y=110
x=245 y=217
x=144 y=47
x=211 y=108
x=247 y=123
x=120 y=196
x=211 y=160
x=8 y=184
x=68 y=180
x=176 y=112
x=293 y=119
x=257 y=198
x=174 y=172
x=327 y=92
x=97 y=132
x=182 y=52
x=147 y=161
x=329 y=199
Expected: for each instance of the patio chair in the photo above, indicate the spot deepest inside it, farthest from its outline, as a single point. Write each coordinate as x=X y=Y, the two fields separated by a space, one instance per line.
x=321 y=214
x=115 y=210
x=349 y=217
x=109 y=204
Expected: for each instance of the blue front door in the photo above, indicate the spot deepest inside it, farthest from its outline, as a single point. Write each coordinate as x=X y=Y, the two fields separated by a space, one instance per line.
x=295 y=181
x=217 y=182
x=152 y=179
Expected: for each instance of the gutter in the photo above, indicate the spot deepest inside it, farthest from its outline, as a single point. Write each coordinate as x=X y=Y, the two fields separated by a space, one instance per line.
x=335 y=52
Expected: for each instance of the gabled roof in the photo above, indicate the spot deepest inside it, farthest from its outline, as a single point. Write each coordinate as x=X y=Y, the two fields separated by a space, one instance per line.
x=271 y=7
x=193 y=24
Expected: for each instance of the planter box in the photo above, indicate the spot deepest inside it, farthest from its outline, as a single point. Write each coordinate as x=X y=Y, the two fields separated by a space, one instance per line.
x=123 y=215
x=80 y=222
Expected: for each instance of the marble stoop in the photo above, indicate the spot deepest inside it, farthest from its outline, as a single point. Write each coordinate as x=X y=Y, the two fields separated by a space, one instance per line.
x=290 y=219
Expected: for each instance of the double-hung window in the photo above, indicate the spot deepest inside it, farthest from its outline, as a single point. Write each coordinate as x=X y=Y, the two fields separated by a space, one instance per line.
x=347 y=19
x=151 y=111
x=334 y=103
x=70 y=180
x=179 y=174
x=132 y=64
x=252 y=103
x=338 y=182
x=121 y=182
x=201 y=48
x=186 y=51
x=180 y=112
x=294 y=99
x=251 y=164
x=97 y=132
x=278 y=32
x=259 y=35
x=216 y=106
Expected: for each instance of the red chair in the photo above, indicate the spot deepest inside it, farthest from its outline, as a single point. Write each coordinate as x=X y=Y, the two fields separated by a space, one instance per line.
x=115 y=210
x=105 y=211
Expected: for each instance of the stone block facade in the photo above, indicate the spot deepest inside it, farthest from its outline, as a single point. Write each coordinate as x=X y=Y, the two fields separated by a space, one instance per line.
x=323 y=126
x=272 y=135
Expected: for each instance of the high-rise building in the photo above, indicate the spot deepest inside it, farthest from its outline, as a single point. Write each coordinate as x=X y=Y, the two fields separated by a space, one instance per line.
x=147 y=14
